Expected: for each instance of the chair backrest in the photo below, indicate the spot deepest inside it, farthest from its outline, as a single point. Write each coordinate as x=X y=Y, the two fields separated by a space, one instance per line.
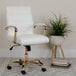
x=21 y=17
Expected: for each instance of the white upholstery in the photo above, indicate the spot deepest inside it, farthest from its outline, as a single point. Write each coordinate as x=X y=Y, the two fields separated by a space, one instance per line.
x=21 y=17
x=30 y=39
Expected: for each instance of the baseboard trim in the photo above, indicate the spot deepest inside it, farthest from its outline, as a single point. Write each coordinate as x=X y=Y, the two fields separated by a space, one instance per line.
x=39 y=53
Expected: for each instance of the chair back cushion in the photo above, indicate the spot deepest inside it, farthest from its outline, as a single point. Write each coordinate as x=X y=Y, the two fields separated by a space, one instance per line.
x=21 y=17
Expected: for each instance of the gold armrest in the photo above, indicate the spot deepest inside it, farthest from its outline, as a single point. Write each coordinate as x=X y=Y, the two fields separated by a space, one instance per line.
x=15 y=32
x=42 y=24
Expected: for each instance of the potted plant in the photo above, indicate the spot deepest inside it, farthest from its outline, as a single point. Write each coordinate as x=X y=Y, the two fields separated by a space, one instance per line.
x=58 y=29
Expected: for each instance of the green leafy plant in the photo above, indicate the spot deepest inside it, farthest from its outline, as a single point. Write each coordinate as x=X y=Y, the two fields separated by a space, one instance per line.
x=58 y=26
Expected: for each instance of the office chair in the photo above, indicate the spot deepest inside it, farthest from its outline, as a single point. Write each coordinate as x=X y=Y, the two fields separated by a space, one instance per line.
x=20 y=31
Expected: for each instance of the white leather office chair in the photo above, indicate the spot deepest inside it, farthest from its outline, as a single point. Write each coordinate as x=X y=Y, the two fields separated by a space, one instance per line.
x=20 y=32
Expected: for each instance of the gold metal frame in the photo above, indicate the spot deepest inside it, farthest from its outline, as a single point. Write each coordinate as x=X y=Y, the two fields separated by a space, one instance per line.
x=15 y=32
x=25 y=60
x=45 y=28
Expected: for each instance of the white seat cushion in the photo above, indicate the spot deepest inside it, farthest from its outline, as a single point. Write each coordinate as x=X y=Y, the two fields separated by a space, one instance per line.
x=29 y=39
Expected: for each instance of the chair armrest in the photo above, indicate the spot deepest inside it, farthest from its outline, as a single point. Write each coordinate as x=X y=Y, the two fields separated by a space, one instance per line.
x=39 y=24
x=15 y=32
x=42 y=24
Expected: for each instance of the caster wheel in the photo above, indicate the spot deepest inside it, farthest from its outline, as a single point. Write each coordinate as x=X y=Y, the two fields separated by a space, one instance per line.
x=23 y=72
x=43 y=69
x=20 y=63
x=9 y=67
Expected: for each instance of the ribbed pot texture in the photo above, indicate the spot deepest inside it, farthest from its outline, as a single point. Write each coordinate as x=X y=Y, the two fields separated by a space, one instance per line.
x=56 y=40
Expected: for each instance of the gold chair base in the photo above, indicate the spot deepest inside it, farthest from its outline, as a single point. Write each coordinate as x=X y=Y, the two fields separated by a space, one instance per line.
x=35 y=61
x=25 y=61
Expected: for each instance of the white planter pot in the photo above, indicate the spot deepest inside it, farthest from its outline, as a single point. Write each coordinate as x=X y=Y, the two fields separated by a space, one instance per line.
x=56 y=40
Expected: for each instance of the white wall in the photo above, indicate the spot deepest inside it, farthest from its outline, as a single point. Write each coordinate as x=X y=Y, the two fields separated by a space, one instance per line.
x=41 y=10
